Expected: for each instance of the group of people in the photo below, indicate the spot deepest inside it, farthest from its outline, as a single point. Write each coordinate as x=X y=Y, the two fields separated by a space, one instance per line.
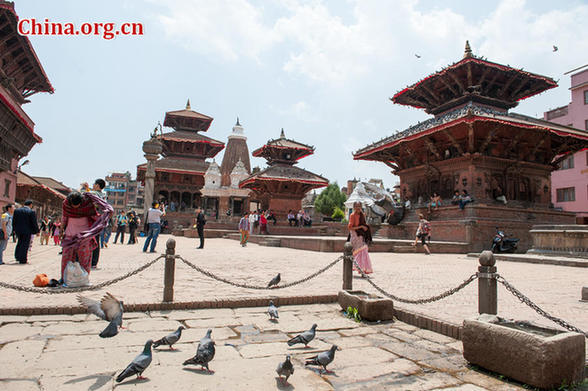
x=123 y=220
x=255 y=222
x=299 y=219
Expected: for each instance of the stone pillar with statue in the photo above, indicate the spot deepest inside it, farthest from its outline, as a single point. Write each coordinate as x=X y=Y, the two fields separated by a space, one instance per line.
x=152 y=148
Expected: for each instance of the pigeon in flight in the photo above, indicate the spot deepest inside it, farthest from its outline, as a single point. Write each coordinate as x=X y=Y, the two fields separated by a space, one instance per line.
x=138 y=365
x=272 y=311
x=204 y=352
x=323 y=359
x=274 y=281
x=109 y=309
x=285 y=369
x=170 y=339
x=304 y=337
x=417 y=56
x=555 y=48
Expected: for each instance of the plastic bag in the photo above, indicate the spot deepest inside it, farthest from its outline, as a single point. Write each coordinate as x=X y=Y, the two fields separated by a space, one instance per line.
x=75 y=276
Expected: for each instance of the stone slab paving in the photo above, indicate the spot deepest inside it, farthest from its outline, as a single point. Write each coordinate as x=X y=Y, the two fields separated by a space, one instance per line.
x=65 y=355
x=557 y=289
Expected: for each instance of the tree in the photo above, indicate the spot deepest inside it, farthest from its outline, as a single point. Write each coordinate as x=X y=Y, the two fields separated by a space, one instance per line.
x=329 y=199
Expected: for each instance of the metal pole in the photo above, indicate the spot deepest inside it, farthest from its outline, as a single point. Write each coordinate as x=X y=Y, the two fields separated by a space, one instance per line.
x=487 y=284
x=170 y=267
x=347 y=266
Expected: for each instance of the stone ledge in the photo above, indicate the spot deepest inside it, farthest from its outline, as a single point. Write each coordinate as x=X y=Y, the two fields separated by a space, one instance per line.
x=539 y=259
x=429 y=323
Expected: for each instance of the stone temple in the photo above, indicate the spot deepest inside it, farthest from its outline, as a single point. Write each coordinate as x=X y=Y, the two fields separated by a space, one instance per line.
x=474 y=143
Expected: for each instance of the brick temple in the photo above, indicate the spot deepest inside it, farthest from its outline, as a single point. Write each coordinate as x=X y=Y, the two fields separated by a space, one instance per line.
x=474 y=143
x=282 y=186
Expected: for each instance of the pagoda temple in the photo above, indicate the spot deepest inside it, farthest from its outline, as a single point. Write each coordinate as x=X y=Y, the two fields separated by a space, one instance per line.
x=281 y=186
x=474 y=143
x=21 y=76
x=179 y=174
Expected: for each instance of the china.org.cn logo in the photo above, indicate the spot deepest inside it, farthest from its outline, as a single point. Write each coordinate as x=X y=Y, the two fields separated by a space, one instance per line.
x=104 y=30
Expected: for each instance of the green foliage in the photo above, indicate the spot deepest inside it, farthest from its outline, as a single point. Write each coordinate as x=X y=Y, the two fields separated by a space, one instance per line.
x=338 y=213
x=353 y=313
x=329 y=199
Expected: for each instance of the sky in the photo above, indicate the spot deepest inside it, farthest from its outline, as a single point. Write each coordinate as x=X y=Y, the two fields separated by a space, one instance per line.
x=322 y=70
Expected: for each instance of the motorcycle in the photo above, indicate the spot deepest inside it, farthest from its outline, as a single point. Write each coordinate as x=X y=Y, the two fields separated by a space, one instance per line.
x=502 y=244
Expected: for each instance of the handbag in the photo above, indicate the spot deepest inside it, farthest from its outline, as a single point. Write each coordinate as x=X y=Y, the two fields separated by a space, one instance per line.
x=75 y=276
x=41 y=280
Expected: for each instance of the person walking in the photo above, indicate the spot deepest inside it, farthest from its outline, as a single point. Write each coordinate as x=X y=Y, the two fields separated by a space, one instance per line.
x=24 y=223
x=423 y=231
x=6 y=229
x=360 y=236
x=154 y=223
x=244 y=229
x=200 y=222
x=121 y=227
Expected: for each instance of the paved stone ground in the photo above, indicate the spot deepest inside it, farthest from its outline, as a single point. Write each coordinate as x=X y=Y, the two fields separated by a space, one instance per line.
x=557 y=289
x=64 y=352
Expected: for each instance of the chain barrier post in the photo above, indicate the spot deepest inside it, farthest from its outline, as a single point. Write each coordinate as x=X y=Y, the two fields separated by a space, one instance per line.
x=170 y=268
x=347 y=266
x=487 y=284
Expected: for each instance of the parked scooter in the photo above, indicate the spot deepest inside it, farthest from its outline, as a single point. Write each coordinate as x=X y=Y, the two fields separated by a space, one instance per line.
x=502 y=244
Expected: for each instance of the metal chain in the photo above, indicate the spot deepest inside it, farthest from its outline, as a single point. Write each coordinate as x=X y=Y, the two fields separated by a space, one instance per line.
x=56 y=291
x=524 y=299
x=259 y=287
x=417 y=301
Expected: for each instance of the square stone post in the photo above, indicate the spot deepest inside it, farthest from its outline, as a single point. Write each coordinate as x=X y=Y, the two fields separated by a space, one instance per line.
x=347 y=266
x=169 y=272
x=487 y=284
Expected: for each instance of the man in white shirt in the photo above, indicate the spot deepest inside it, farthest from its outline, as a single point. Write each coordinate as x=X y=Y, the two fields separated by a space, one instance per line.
x=154 y=222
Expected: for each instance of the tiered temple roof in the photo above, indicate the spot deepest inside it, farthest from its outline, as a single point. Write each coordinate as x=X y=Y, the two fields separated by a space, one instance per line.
x=283 y=150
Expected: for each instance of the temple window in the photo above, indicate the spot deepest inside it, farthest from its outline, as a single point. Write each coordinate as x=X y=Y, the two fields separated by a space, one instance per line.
x=7 y=187
x=586 y=97
x=566 y=194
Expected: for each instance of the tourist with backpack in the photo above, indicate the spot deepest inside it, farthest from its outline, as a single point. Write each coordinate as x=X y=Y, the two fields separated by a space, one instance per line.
x=423 y=231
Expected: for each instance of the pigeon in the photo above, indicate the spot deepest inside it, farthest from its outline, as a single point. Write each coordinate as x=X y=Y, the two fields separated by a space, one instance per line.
x=272 y=311
x=138 y=365
x=109 y=308
x=555 y=48
x=304 y=338
x=170 y=339
x=204 y=353
x=274 y=281
x=417 y=56
x=323 y=359
x=285 y=369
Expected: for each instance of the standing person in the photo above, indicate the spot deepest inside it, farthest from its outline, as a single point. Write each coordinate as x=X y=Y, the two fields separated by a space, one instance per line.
x=45 y=223
x=251 y=222
x=360 y=236
x=24 y=223
x=6 y=229
x=262 y=223
x=56 y=233
x=422 y=232
x=244 y=229
x=200 y=222
x=105 y=234
x=121 y=227
x=133 y=224
x=154 y=223
x=79 y=213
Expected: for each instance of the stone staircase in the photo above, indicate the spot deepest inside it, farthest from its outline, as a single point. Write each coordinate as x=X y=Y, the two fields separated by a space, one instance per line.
x=270 y=242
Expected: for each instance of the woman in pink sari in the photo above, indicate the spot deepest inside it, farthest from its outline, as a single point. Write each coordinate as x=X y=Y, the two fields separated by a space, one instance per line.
x=360 y=235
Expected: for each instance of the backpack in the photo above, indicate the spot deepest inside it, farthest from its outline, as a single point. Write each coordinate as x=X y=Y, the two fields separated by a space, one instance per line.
x=426 y=227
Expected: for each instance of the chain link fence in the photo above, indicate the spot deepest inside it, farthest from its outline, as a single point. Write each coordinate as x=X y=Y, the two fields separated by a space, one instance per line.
x=57 y=291
x=259 y=287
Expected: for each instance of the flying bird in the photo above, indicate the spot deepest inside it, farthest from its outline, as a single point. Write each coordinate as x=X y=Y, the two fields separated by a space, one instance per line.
x=170 y=339
x=555 y=48
x=304 y=337
x=274 y=281
x=109 y=309
x=272 y=311
x=204 y=352
x=417 y=56
x=285 y=369
x=323 y=359
x=138 y=365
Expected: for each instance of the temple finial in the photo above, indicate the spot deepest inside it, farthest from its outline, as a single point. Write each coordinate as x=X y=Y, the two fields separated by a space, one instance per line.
x=188 y=105
x=468 y=50
x=237 y=124
x=282 y=135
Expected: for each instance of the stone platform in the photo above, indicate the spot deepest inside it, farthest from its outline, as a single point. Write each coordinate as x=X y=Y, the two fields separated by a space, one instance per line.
x=64 y=352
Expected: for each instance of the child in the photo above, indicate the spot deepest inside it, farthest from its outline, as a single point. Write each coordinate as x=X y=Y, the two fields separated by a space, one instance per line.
x=56 y=233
